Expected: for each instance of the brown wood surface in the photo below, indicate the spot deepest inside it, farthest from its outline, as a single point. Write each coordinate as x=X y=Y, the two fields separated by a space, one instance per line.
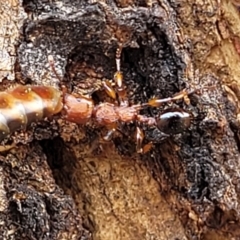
x=61 y=181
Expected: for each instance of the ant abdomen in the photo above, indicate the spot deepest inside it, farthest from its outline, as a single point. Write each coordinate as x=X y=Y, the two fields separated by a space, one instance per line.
x=22 y=105
x=174 y=121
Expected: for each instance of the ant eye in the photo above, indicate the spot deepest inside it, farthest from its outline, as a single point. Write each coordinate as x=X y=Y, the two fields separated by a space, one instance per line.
x=174 y=121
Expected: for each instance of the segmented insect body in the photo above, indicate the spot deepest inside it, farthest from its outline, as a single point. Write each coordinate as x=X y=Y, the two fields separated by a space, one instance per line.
x=77 y=109
x=22 y=105
x=174 y=121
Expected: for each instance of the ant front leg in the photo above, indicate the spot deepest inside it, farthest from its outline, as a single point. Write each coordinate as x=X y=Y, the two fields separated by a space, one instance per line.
x=118 y=79
x=120 y=89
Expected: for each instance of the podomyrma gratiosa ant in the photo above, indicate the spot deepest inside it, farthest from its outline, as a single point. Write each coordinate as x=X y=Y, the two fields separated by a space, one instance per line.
x=22 y=105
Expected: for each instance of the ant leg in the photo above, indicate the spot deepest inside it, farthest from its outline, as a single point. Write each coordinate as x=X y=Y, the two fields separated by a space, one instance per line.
x=147 y=147
x=109 y=135
x=111 y=130
x=139 y=136
x=107 y=85
x=118 y=79
x=156 y=102
x=118 y=82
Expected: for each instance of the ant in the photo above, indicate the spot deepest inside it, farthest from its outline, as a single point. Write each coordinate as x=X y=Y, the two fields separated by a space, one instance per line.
x=80 y=109
x=22 y=105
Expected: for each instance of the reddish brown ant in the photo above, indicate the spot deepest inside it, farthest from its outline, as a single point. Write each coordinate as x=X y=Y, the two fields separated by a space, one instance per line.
x=23 y=105
x=80 y=109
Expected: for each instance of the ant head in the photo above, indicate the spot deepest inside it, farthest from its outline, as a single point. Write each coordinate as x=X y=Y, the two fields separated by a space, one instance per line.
x=174 y=121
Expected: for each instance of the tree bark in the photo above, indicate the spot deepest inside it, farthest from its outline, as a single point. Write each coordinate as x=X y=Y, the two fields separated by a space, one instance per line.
x=61 y=176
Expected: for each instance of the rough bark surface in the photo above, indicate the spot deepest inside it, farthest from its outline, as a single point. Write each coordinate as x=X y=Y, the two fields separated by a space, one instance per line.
x=60 y=176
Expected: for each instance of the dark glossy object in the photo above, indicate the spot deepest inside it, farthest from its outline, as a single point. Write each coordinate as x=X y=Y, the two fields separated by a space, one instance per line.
x=174 y=121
